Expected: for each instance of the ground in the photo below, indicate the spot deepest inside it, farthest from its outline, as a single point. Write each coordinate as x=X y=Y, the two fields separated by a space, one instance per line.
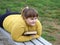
x=51 y=29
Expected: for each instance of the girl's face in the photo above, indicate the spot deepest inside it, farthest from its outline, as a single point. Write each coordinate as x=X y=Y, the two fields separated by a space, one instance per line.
x=31 y=21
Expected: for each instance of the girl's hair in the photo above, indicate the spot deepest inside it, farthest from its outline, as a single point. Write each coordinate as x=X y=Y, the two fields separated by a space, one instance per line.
x=29 y=12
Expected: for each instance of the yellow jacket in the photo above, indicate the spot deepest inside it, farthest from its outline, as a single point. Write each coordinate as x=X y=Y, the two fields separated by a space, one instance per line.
x=16 y=25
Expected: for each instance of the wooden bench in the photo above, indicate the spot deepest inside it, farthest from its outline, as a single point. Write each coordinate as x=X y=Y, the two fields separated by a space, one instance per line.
x=38 y=41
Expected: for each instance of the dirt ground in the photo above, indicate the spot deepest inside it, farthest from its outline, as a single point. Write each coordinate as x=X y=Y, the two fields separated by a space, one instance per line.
x=56 y=32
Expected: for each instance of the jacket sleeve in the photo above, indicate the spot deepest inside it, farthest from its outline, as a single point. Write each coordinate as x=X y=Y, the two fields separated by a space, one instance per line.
x=17 y=32
x=39 y=28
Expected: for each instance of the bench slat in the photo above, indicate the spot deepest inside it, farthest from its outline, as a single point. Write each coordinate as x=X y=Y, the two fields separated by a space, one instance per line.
x=29 y=43
x=44 y=41
x=6 y=34
x=36 y=42
x=1 y=43
x=19 y=43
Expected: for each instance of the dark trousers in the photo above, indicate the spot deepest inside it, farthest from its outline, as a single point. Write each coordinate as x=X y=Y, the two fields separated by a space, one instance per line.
x=2 y=17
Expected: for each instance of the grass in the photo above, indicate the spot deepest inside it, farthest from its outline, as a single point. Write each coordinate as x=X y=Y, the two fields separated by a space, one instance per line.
x=47 y=10
x=48 y=37
x=58 y=32
x=58 y=23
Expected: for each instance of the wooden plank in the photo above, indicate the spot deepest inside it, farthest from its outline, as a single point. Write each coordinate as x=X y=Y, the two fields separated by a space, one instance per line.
x=45 y=42
x=19 y=43
x=36 y=42
x=6 y=34
x=1 y=43
x=28 y=43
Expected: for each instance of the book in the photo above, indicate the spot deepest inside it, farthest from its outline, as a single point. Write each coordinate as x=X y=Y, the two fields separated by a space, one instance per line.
x=30 y=33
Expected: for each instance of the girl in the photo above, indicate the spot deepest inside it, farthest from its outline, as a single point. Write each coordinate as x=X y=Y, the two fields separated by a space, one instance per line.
x=24 y=26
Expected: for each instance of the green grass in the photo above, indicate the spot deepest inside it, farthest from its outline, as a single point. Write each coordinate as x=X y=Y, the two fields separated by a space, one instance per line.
x=52 y=28
x=58 y=32
x=48 y=37
x=47 y=10
x=58 y=23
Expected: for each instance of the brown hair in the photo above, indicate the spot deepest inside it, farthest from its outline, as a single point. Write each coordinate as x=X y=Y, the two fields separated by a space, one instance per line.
x=29 y=12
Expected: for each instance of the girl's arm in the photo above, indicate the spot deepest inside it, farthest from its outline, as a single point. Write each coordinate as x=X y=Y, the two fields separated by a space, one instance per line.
x=39 y=28
x=17 y=34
